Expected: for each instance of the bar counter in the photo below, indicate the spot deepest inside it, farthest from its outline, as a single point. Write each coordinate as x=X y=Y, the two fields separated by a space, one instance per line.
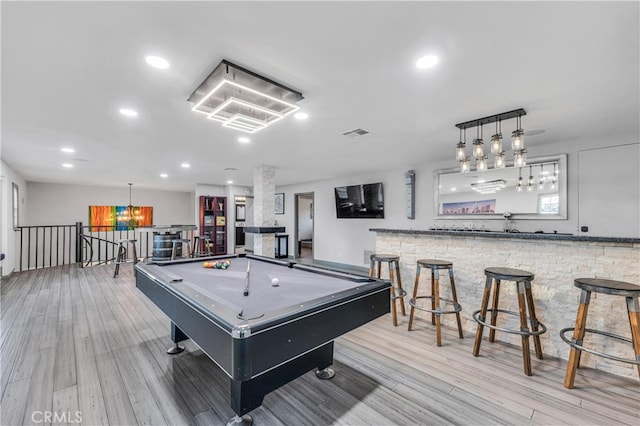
x=555 y=259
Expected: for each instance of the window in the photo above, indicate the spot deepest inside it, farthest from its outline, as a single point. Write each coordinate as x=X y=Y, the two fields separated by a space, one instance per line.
x=548 y=204
x=16 y=205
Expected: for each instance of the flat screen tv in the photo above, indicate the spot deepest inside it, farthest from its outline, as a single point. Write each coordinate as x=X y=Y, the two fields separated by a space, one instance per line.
x=360 y=201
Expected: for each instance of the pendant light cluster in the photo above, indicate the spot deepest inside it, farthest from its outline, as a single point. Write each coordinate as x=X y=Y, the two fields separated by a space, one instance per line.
x=546 y=180
x=496 y=147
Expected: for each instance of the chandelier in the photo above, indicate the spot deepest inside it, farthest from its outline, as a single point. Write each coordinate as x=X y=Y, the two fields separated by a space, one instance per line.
x=130 y=214
x=496 y=146
x=243 y=100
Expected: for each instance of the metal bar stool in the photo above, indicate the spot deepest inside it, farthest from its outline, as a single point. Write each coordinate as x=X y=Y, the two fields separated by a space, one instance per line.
x=393 y=262
x=121 y=256
x=178 y=243
x=523 y=282
x=198 y=240
x=631 y=292
x=436 y=311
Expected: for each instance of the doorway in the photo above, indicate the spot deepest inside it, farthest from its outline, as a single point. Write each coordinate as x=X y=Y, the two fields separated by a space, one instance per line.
x=304 y=242
x=243 y=217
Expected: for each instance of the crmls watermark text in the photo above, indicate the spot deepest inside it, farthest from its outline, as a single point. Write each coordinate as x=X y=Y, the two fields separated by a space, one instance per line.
x=56 y=417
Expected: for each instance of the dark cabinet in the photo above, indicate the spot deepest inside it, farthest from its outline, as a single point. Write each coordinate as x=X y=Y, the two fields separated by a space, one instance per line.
x=213 y=222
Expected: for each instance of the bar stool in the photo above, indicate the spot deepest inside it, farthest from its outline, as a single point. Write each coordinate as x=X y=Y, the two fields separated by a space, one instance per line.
x=435 y=266
x=396 y=282
x=197 y=246
x=631 y=292
x=178 y=243
x=523 y=282
x=121 y=256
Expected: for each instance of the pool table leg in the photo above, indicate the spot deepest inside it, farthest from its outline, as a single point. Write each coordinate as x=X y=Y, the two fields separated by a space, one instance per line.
x=177 y=336
x=248 y=395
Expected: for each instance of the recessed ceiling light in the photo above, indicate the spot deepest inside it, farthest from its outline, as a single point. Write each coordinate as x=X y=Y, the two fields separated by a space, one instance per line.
x=453 y=189
x=244 y=139
x=69 y=150
x=128 y=112
x=185 y=165
x=67 y=165
x=229 y=181
x=427 y=62
x=157 y=62
x=164 y=175
x=301 y=115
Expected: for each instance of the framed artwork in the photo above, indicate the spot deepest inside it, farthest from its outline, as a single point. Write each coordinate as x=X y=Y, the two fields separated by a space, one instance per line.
x=240 y=212
x=119 y=218
x=470 y=207
x=279 y=204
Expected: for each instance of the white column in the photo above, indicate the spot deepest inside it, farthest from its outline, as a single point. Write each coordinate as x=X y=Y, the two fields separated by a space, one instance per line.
x=264 y=191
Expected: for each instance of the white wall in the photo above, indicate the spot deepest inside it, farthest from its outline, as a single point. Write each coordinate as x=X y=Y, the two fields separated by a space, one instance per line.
x=58 y=204
x=7 y=234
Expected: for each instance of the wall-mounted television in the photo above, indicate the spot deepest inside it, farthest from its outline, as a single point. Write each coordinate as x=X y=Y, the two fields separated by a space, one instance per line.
x=360 y=201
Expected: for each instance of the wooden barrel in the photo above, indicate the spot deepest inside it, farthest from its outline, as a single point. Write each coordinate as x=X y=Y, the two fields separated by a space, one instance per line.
x=163 y=244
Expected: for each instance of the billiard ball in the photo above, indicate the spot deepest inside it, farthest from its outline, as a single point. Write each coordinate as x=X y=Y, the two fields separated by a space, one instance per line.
x=275 y=282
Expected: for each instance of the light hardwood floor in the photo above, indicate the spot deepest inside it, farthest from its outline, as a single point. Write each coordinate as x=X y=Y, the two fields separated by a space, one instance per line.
x=77 y=340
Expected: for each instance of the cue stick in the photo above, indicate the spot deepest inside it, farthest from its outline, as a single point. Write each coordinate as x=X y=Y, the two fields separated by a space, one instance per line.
x=246 y=285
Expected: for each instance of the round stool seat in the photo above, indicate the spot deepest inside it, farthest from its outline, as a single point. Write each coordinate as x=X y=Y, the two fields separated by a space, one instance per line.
x=435 y=263
x=385 y=257
x=617 y=288
x=508 y=274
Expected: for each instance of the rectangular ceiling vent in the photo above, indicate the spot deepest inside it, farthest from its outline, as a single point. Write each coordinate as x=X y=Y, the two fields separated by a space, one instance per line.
x=356 y=133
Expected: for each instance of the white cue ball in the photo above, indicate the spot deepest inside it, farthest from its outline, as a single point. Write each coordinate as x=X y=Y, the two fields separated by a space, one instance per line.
x=275 y=282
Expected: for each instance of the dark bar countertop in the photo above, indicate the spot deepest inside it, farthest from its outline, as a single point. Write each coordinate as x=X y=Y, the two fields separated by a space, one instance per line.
x=514 y=235
x=263 y=229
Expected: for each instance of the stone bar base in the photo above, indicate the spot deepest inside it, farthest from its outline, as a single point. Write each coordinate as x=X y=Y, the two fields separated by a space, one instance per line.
x=555 y=265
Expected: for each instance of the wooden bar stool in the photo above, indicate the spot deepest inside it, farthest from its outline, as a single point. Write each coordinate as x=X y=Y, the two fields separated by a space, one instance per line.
x=435 y=266
x=523 y=282
x=198 y=241
x=631 y=292
x=178 y=243
x=121 y=256
x=393 y=262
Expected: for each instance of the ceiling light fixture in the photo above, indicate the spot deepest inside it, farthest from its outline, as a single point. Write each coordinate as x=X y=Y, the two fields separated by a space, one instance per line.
x=530 y=182
x=427 y=62
x=519 y=153
x=489 y=187
x=157 y=62
x=68 y=150
x=519 y=185
x=128 y=112
x=67 y=165
x=244 y=139
x=301 y=115
x=243 y=100
x=185 y=165
x=164 y=175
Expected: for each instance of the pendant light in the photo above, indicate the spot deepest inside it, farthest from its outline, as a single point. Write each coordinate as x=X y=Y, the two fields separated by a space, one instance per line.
x=542 y=178
x=496 y=140
x=519 y=184
x=554 y=178
x=500 y=162
x=478 y=145
x=530 y=182
x=517 y=136
x=460 y=154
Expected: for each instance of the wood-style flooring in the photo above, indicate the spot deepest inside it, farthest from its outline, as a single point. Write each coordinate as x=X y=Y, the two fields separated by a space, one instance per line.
x=81 y=345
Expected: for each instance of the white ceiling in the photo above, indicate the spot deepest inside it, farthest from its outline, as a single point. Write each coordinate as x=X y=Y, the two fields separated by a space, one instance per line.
x=67 y=68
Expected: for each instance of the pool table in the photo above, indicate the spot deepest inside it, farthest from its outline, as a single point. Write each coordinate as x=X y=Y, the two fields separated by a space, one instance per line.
x=275 y=333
